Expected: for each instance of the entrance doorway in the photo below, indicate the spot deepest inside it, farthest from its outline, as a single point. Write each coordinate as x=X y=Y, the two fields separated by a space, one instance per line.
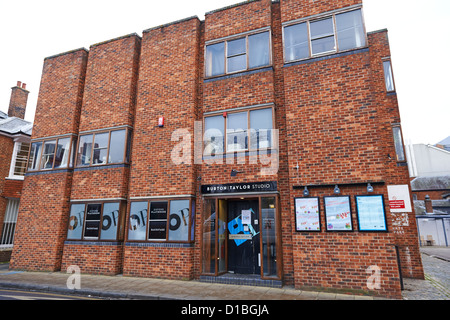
x=243 y=237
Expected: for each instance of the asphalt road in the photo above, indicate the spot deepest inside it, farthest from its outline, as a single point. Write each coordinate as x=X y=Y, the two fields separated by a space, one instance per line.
x=6 y=294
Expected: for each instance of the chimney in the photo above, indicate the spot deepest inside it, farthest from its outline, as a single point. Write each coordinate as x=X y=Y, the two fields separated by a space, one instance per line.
x=428 y=205
x=18 y=102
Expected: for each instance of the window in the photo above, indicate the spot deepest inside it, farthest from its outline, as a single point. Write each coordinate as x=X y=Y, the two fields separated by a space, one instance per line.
x=247 y=52
x=322 y=36
x=9 y=224
x=398 y=142
x=350 y=30
x=388 y=76
x=95 y=221
x=162 y=220
x=102 y=148
x=296 y=42
x=19 y=160
x=337 y=32
x=51 y=154
x=245 y=130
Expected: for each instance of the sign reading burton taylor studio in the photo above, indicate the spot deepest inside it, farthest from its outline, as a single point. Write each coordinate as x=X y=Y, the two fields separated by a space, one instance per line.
x=270 y=186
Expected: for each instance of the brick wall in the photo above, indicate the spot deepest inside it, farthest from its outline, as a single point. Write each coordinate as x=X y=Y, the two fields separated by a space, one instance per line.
x=60 y=94
x=43 y=213
x=42 y=222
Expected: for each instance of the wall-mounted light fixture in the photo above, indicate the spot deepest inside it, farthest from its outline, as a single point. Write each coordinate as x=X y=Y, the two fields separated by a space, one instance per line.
x=306 y=192
x=234 y=172
x=336 y=189
x=369 y=188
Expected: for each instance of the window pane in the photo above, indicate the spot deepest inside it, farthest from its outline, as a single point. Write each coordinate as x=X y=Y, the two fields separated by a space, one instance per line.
x=237 y=131
x=110 y=221
x=117 y=146
x=48 y=154
x=179 y=220
x=215 y=59
x=21 y=159
x=209 y=236
x=138 y=220
x=258 y=50
x=35 y=155
x=260 y=128
x=100 y=148
x=296 y=42
x=85 y=150
x=76 y=220
x=269 y=237
x=235 y=47
x=62 y=153
x=350 y=30
x=323 y=45
x=237 y=63
x=388 y=75
x=321 y=28
x=398 y=144
x=214 y=134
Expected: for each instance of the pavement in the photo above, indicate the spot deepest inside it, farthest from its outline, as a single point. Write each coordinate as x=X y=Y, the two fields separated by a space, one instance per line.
x=436 y=285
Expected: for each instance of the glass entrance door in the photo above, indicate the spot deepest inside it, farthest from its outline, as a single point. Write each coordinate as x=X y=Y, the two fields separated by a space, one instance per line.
x=243 y=237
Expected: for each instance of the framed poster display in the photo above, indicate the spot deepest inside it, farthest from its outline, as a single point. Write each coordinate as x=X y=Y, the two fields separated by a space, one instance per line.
x=338 y=214
x=307 y=214
x=157 y=225
x=92 y=223
x=371 y=213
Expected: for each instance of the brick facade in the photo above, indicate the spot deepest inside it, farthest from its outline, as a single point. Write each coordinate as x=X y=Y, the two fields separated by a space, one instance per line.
x=334 y=121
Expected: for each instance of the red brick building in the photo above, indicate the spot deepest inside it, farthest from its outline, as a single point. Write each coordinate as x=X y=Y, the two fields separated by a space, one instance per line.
x=256 y=146
x=15 y=135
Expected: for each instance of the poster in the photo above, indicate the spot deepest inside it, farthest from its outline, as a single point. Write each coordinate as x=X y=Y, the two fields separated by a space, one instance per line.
x=92 y=225
x=157 y=225
x=338 y=213
x=307 y=214
x=399 y=199
x=371 y=214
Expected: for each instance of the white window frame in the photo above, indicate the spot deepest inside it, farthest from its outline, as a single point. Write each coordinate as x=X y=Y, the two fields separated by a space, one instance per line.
x=17 y=144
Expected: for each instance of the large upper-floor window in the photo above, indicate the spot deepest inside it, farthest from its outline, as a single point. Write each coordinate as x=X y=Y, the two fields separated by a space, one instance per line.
x=324 y=35
x=238 y=54
x=55 y=153
x=103 y=147
x=250 y=129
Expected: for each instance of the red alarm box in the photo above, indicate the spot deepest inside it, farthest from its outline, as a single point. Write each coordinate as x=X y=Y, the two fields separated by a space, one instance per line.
x=161 y=122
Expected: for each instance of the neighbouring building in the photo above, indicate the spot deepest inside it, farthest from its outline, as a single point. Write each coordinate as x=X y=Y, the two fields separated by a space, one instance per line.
x=15 y=135
x=429 y=169
x=261 y=146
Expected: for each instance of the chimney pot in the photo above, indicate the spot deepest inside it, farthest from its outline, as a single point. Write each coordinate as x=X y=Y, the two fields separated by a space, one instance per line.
x=24 y=85
x=19 y=84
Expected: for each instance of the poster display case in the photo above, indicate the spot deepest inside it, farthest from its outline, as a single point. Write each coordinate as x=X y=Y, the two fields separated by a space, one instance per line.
x=371 y=213
x=338 y=213
x=307 y=214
